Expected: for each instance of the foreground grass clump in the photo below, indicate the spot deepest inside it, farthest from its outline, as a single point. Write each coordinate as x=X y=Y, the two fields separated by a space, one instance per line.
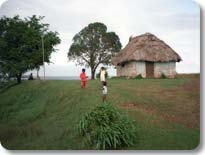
x=106 y=128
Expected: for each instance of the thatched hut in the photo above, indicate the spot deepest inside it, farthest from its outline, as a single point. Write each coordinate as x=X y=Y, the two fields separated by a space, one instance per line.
x=146 y=55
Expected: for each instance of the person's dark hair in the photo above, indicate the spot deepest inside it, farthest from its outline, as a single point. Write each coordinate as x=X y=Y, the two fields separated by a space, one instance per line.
x=83 y=70
x=102 y=68
x=104 y=83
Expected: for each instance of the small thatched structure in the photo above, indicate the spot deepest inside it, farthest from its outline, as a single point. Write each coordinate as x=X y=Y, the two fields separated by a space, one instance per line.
x=146 y=55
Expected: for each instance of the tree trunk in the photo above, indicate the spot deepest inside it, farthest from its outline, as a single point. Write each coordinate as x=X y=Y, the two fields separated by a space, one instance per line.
x=38 y=74
x=93 y=70
x=93 y=73
x=18 y=77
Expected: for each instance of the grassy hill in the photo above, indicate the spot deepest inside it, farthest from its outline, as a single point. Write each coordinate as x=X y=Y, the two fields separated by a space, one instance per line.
x=43 y=115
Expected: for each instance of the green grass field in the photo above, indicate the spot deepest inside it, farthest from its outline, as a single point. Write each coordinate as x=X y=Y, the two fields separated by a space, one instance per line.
x=44 y=115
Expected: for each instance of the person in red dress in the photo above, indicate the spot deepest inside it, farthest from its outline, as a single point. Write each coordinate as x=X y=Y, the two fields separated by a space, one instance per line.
x=83 y=78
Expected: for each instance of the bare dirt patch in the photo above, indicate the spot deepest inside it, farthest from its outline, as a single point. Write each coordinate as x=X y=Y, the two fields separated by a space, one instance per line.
x=137 y=106
x=149 y=110
x=190 y=119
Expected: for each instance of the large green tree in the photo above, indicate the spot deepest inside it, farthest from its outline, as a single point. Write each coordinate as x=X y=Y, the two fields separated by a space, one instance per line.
x=93 y=46
x=21 y=44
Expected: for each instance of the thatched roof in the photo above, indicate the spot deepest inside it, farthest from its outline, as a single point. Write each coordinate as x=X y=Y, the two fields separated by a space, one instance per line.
x=146 y=47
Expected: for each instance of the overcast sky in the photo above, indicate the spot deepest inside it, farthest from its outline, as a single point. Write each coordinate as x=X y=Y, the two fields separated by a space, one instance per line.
x=177 y=22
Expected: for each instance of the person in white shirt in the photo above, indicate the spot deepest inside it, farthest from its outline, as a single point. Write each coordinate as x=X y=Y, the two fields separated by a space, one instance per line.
x=102 y=74
x=104 y=91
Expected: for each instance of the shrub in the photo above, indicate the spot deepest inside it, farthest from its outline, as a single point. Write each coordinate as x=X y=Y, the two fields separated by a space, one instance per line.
x=163 y=76
x=118 y=77
x=106 y=128
x=139 y=76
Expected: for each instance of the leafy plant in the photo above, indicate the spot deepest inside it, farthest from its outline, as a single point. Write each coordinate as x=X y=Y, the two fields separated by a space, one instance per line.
x=163 y=76
x=139 y=76
x=106 y=128
x=118 y=77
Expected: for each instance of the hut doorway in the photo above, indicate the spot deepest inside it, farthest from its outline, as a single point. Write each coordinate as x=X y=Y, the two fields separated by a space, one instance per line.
x=149 y=69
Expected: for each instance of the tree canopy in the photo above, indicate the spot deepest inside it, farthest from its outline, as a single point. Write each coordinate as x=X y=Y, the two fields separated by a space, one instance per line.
x=93 y=46
x=21 y=44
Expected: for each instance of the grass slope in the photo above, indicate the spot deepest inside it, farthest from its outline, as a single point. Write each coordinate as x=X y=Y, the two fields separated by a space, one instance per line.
x=44 y=115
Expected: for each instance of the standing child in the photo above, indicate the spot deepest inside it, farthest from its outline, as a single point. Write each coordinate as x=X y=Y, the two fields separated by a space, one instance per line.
x=104 y=91
x=102 y=75
x=83 y=78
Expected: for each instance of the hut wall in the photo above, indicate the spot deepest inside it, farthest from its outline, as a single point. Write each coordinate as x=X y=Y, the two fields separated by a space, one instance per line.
x=129 y=69
x=168 y=68
x=119 y=70
x=140 y=68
